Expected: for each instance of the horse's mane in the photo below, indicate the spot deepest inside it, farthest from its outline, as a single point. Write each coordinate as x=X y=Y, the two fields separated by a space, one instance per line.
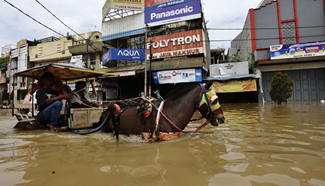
x=179 y=91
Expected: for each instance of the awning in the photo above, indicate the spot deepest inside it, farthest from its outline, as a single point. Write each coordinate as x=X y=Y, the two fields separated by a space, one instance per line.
x=227 y=78
x=63 y=72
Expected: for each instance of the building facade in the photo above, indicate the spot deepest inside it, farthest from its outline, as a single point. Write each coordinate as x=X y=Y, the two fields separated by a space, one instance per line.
x=83 y=50
x=50 y=50
x=18 y=62
x=86 y=50
x=286 y=36
x=172 y=37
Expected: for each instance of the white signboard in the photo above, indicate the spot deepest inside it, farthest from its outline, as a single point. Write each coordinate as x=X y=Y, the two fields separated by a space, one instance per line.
x=229 y=69
x=127 y=73
x=77 y=60
x=177 y=76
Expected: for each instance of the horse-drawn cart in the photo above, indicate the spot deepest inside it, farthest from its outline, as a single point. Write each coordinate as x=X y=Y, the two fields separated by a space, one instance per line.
x=154 y=118
x=79 y=118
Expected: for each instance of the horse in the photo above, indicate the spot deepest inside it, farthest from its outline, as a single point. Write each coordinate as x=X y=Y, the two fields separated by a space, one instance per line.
x=169 y=116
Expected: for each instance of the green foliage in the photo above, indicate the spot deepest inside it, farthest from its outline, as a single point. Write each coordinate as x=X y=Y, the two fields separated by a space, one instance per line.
x=235 y=58
x=252 y=63
x=70 y=37
x=3 y=62
x=282 y=88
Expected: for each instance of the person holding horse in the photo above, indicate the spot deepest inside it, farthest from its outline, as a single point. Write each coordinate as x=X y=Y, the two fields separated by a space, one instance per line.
x=49 y=102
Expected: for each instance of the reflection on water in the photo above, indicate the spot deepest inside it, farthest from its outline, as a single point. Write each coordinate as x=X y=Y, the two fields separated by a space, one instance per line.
x=258 y=145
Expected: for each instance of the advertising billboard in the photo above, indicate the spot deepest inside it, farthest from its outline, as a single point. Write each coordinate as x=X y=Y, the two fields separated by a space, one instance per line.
x=178 y=44
x=299 y=50
x=235 y=86
x=229 y=69
x=154 y=4
x=121 y=54
x=172 y=14
x=123 y=4
x=178 y=76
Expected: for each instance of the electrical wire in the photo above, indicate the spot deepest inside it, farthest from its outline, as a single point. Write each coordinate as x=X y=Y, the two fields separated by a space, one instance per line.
x=34 y=18
x=91 y=44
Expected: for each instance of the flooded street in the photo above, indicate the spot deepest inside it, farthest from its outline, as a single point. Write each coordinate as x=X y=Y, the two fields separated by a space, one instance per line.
x=259 y=145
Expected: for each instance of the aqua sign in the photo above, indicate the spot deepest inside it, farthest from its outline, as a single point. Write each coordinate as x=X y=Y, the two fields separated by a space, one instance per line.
x=120 y=54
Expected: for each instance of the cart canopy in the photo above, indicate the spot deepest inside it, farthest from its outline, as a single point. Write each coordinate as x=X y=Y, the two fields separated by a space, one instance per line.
x=63 y=72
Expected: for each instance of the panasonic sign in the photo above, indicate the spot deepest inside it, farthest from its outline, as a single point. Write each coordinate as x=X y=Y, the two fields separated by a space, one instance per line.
x=171 y=14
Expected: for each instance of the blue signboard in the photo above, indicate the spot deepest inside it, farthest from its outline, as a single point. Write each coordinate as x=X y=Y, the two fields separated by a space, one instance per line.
x=121 y=54
x=172 y=14
x=298 y=50
x=177 y=76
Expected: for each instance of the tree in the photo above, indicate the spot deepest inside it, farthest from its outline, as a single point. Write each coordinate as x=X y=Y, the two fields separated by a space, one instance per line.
x=3 y=62
x=282 y=88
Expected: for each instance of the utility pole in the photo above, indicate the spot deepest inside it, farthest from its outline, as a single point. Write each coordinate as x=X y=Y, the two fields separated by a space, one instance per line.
x=145 y=62
x=150 y=73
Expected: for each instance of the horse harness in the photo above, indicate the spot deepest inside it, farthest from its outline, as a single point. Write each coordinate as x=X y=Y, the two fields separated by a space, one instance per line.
x=206 y=97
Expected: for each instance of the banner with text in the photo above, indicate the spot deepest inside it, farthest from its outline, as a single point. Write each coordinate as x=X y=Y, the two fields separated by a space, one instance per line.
x=178 y=44
x=299 y=50
x=122 y=4
x=154 y=4
x=178 y=76
x=172 y=14
x=235 y=86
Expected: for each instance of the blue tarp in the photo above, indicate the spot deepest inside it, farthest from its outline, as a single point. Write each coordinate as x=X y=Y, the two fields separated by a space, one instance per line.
x=227 y=78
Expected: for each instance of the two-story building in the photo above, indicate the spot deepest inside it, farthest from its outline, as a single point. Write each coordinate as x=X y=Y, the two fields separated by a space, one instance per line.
x=82 y=50
x=18 y=62
x=286 y=36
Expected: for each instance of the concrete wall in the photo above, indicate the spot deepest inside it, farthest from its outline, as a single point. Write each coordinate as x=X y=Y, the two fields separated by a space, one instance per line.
x=287 y=9
x=242 y=44
x=266 y=17
x=311 y=13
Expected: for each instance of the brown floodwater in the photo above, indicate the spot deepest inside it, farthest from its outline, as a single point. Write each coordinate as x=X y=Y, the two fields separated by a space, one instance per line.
x=258 y=145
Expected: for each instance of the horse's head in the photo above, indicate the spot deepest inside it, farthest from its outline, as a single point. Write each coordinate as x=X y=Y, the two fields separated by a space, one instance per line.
x=209 y=105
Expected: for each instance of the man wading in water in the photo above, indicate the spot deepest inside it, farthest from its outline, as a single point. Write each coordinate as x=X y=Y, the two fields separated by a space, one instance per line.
x=49 y=103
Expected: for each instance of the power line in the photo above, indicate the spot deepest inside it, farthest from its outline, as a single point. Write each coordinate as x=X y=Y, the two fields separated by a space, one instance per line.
x=33 y=18
x=91 y=44
x=264 y=28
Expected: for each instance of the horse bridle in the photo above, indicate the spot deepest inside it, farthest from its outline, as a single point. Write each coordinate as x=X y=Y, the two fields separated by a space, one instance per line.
x=204 y=93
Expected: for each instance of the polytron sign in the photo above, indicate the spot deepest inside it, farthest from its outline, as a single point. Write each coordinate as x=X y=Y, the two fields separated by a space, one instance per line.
x=178 y=44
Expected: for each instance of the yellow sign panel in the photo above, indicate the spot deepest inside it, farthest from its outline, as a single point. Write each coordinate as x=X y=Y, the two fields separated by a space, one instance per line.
x=21 y=43
x=235 y=86
x=123 y=4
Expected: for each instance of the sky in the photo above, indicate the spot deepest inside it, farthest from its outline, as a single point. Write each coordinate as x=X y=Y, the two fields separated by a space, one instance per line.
x=85 y=15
